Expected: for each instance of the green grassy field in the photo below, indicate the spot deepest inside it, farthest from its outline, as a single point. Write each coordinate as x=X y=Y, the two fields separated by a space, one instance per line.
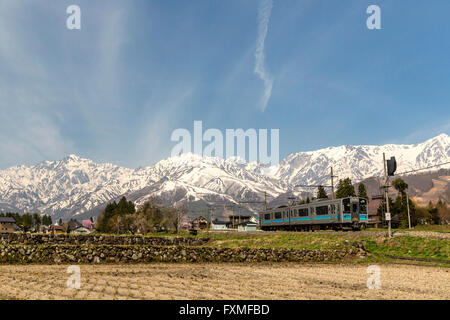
x=374 y=240
x=434 y=228
x=375 y=243
x=431 y=242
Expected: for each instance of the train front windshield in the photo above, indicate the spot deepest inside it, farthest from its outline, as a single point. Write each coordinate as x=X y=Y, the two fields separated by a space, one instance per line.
x=352 y=206
x=363 y=206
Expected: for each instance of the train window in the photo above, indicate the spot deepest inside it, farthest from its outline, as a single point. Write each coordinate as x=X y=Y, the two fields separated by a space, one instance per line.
x=363 y=205
x=322 y=210
x=277 y=215
x=303 y=212
x=267 y=216
x=312 y=210
x=346 y=203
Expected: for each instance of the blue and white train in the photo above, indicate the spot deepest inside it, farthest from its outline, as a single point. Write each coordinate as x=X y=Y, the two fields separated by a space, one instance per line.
x=339 y=214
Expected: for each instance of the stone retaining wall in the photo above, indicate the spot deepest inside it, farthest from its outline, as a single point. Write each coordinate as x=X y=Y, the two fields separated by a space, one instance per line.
x=34 y=239
x=73 y=254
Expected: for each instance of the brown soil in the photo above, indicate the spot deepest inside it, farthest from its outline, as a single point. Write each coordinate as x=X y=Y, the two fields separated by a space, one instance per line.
x=224 y=281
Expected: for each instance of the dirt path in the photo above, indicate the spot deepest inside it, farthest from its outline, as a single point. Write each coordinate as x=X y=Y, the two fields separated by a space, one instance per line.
x=225 y=281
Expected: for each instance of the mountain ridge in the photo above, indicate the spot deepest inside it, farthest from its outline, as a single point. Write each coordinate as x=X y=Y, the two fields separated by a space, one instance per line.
x=75 y=185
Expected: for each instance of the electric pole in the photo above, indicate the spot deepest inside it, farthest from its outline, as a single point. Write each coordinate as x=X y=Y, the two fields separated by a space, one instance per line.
x=239 y=212
x=409 y=216
x=232 y=220
x=178 y=219
x=290 y=210
x=209 y=219
x=332 y=184
x=386 y=186
x=265 y=200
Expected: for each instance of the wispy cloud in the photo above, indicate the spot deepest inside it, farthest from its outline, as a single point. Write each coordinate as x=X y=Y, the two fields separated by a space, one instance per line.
x=162 y=115
x=430 y=131
x=29 y=130
x=264 y=12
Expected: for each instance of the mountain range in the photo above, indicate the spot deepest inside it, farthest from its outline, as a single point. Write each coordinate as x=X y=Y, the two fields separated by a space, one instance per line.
x=80 y=187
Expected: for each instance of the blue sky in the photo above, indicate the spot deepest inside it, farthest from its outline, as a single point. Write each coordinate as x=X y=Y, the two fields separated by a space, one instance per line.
x=116 y=89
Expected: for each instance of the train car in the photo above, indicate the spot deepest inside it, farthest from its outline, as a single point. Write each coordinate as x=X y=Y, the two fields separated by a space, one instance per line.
x=338 y=214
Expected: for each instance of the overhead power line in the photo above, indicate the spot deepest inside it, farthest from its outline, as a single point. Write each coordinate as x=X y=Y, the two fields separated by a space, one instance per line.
x=311 y=186
x=415 y=170
x=377 y=176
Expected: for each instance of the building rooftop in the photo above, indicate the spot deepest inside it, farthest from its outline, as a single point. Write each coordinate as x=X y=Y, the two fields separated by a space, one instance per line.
x=7 y=220
x=248 y=223
x=219 y=222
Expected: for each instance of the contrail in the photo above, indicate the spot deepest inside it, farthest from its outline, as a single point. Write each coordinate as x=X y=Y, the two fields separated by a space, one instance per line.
x=264 y=11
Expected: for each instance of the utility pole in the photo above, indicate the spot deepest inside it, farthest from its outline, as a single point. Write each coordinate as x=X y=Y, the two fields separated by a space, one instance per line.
x=232 y=220
x=178 y=219
x=265 y=200
x=209 y=218
x=290 y=210
x=409 y=216
x=386 y=186
x=332 y=184
x=239 y=212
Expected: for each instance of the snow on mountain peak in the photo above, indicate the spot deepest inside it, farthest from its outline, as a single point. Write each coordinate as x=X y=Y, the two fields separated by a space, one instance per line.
x=74 y=185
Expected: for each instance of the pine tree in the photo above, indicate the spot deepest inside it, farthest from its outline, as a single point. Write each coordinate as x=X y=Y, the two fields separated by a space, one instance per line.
x=434 y=212
x=115 y=217
x=362 y=193
x=400 y=205
x=345 y=189
x=26 y=221
x=400 y=185
x=321 y=193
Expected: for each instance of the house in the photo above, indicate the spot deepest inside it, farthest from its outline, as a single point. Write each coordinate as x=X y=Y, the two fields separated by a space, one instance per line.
x=247 y=226
x=81 y=230
x=43 y=229
x=185 y=225
x=88 y=224
x=200 y=223
x=8 y=225
x=72 y=225
x=55 y=229
x=374 y=219
x=372 y=209
x=219 y=225
x=235 y=220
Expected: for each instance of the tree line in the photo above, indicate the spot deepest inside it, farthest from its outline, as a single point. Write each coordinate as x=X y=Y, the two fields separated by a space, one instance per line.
x=29 y=221
x=437 y=213
x=344 y=189
x=152 y=216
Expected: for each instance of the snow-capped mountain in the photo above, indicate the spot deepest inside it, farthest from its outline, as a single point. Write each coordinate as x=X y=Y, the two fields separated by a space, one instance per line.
x=360 y=162
x=74 y=186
